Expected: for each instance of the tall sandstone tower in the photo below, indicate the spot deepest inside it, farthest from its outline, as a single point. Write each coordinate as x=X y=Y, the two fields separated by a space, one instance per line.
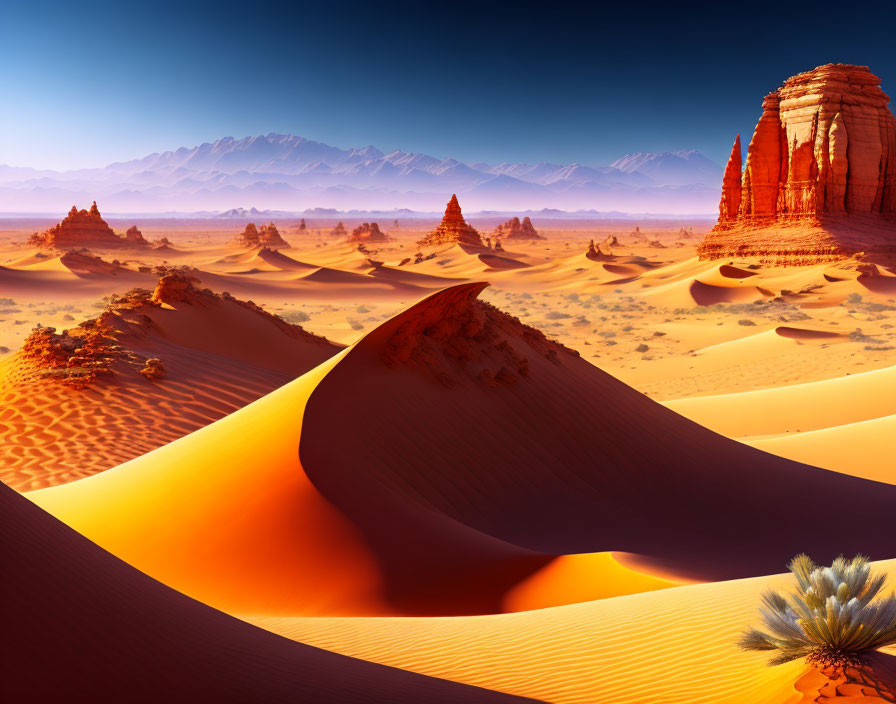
x=820 y=177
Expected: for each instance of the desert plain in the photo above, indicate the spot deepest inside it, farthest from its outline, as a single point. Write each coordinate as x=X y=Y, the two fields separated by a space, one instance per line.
x=330 y=482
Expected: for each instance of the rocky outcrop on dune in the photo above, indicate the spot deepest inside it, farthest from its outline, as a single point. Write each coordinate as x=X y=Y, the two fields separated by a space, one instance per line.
x=596 y=252
x=822 y=156
x=174 y=347
x=264 y=236
x=85 y=228
x=178 y=287
x=453 y=228
x=97 y=347
x=339 y=230
x=368 y=232
x=454 y=334
x=514 y=229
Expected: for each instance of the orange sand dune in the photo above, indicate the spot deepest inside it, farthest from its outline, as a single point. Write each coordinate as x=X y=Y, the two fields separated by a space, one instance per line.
x=495 y=261
x=279 y=260
x=324 y=275
x=67 y=274
x=534 y=461
x=492 y=450
x=218 y=355
x=806 y=334
x=863 y=449
x=80 y=625
x=404 y=276
x=801 y=407
x=666 y=647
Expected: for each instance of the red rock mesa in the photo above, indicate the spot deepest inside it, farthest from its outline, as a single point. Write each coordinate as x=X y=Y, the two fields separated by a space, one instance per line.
x=820 y=178
x=453 y=228
x=86 y=228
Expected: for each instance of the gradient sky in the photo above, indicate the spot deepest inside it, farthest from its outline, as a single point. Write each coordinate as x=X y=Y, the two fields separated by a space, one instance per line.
x=86 y=83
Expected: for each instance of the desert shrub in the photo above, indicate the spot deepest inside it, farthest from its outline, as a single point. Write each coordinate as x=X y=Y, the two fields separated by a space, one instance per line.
x=641 y=348
x=294 y=316
x=833 y=617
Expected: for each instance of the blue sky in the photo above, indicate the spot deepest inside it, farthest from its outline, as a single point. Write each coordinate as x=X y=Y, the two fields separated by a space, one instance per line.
x=87 y=83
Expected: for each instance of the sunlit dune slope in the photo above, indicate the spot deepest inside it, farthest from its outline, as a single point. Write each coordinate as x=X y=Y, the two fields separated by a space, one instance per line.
x=446 y=458
x=864 y=449
x=218 y=354
x=800 y=407
x=79 y=625
x=675 y=646
x=490 y=424
x=244 y=528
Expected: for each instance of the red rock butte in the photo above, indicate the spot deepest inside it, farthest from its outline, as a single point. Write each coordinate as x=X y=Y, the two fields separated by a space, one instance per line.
x=264 y=236
x=820 y=178
x=368 y=232
x=86 y=228
x=453 y=228
x=513 y=229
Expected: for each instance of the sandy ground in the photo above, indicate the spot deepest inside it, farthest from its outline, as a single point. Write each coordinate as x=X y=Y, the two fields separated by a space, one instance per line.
x=454 y=494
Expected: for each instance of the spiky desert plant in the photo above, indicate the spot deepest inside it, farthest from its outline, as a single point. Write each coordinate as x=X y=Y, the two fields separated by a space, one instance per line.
x=831 y=619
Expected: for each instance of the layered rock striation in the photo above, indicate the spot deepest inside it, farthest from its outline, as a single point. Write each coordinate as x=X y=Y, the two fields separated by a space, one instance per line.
x=822 y=159
x=453 y=228
x=86 y=228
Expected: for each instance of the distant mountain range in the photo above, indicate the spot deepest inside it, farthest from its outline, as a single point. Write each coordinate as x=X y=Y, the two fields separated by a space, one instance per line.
x=292 y=174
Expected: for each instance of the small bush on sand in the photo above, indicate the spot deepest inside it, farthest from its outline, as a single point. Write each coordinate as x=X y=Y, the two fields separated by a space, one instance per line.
x=831 y=619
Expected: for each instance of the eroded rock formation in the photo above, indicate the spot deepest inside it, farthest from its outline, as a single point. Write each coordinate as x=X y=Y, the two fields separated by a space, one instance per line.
x=264 y=236
x=453 y=336
x=99 y=347
x=513 y=229
x=453 y=228
x=134 y=238
x=85 y=228
x=368 y=232
x=823 y=156
x=339 y=230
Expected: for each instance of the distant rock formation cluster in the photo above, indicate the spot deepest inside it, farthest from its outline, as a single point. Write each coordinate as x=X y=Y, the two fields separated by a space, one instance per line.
x=86 y=228
x=453 y=228
x=339 y=231
x=368 y=232
x=823 y=151
x=264 y=236
x=513 y=229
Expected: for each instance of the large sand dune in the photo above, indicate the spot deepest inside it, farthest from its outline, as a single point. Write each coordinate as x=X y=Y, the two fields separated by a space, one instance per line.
x=218 y=353
x=79 y=625
x=674 y=646
x=448 y=457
